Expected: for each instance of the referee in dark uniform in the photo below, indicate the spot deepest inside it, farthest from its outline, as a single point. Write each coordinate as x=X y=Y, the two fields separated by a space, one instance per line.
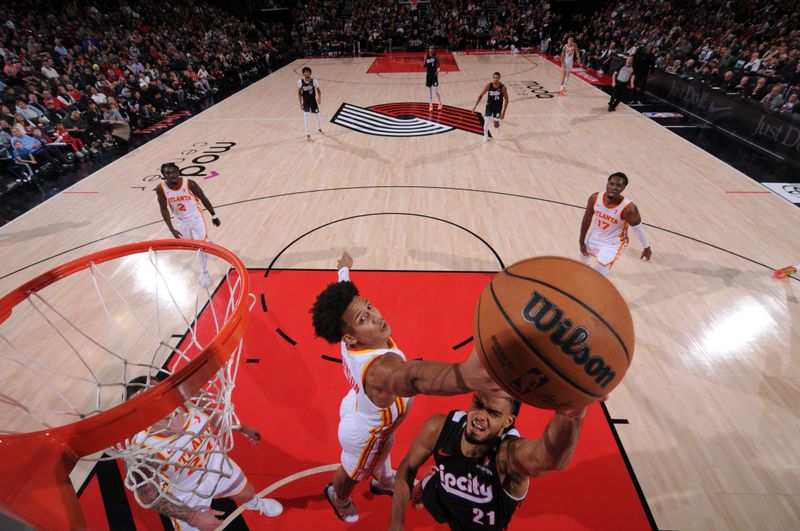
x=621 y=82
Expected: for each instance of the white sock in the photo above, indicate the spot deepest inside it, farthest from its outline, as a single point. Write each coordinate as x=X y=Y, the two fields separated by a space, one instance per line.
x=486 y=121
x=203 y=259
x=305 y=121
x=438 y=95
x=251 y=504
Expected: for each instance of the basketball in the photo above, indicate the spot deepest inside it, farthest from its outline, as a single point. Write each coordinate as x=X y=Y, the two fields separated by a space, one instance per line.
x=553 y=332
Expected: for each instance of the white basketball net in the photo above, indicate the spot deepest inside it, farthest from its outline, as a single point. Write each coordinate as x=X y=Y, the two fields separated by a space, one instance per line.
x=68 y=351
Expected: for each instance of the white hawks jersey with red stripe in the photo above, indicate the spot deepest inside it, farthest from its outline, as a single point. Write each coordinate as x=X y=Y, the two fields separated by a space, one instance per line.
x=355 y=364
x=182 y=202
x=608 y=227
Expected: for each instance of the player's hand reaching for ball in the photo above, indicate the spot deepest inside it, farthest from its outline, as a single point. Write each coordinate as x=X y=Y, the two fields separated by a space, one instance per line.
x=345 y=261
x=206 y=520
x=476 y=377
x=574 y=414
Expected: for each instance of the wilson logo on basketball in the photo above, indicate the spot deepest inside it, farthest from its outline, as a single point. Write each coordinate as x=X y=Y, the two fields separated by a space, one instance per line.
x=407 y=119
x=572 y=340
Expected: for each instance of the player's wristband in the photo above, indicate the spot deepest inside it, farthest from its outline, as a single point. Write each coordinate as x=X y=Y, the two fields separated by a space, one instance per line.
x=638 y=230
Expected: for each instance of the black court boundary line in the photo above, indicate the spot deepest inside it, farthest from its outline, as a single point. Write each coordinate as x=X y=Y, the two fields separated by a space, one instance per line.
x=112 y=490
x=628 y=465
x=393 y=187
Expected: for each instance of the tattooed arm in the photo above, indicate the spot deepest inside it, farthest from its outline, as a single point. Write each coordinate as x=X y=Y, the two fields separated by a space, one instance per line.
x=148 y=496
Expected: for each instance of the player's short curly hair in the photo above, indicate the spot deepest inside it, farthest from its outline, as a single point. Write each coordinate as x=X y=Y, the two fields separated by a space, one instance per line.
x=327 y=314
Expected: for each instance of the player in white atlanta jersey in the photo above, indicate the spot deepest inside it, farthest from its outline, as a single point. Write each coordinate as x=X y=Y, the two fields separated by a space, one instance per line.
x=609 y=215
x=569 y=53
x=181 y=197
x=382 y=382
x=192 y=470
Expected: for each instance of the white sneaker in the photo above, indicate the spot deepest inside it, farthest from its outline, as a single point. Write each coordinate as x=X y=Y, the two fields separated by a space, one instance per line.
x=205 y=279
x=268 y=507
x=345 y=511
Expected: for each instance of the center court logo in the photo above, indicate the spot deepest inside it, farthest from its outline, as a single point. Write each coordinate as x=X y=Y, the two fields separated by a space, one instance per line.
x=407 y=119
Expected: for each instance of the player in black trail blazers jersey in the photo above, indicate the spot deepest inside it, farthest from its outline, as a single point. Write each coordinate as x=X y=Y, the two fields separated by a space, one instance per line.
x=483 y=466
x=431 y=64
x=496 y=103
x=310 y=96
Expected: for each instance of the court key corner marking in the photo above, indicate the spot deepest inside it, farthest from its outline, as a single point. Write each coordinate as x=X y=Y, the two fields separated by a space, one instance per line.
x=286 y=337
x=463 y=343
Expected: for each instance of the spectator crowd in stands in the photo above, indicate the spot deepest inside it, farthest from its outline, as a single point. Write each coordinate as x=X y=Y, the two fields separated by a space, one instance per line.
x=327 y=27
x=75 y=78
x=742 y=47
x=80 y=76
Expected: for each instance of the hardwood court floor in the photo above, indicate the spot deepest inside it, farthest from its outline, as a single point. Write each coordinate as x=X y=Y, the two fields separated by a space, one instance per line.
x=712 y=398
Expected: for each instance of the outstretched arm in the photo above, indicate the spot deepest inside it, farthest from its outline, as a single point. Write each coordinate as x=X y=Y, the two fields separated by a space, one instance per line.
x=391 y=374
x=586 y=223
x=343 y=266
x=421 y=449
x=521 y=458
x=197 y=191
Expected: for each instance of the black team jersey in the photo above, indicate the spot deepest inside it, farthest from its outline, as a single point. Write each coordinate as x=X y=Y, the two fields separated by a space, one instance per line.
x=466 y=493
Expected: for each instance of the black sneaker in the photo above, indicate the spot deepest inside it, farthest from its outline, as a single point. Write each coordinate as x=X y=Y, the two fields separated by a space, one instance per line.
x=376 y=489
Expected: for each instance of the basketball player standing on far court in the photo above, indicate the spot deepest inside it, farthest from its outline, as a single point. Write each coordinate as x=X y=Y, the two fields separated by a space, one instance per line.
x=431 y=64
x=608 y=215
x=568 y=56
x=183 y=196
x=483 y=467
x=382 y=383
x=310 y=97
x=496 y=103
